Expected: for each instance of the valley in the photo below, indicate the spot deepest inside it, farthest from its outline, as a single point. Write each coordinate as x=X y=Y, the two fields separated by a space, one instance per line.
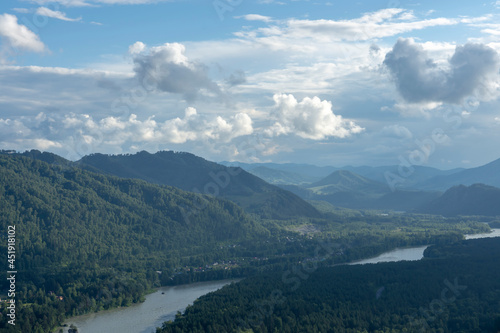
x=100 y=241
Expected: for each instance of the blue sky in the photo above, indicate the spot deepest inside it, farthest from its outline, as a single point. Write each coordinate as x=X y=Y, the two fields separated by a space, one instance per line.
x=322 y=82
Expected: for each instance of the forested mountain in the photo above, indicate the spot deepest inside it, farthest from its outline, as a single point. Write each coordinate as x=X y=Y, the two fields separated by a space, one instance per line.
x=455 y=290
x=98 y=241
x=280 y=177
x=477 y=199
x=488 y=174
x=366 y=187
x=192 y=173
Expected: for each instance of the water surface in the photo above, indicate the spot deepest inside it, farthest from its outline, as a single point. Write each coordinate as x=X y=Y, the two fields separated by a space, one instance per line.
x=414 y=253
x=158 y=307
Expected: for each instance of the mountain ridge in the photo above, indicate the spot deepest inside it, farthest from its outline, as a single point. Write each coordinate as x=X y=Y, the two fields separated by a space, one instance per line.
x=192 y=173
x=488 y=174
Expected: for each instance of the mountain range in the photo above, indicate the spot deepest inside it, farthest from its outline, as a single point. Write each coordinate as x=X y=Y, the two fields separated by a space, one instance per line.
x=195 y=174
x=295 y=184
x=419 y=178
x=347 y=189
x=365 y=187
x=488 y=174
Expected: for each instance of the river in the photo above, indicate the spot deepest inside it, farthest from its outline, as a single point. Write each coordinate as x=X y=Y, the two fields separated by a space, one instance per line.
x=163 y=304
x=494 y=233
x=414 y=253
x=158 y=307
x=399 y=254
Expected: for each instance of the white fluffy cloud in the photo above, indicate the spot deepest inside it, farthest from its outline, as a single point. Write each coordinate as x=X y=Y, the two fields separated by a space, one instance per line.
x=310 y=118
x=44 y=11
x=72 y=131
x=473 y=69
x=16 y=36
x=167 y=69
x=192 y=127
x=136 y=48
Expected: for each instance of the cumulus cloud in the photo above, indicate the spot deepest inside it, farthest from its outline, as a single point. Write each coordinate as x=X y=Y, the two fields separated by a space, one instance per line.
x=136 y=48
x=74 y=130
x=310 y=118
x=167 y=69
x=44 y=11
x=17 y=36
x=473 y=69
x=193 y=128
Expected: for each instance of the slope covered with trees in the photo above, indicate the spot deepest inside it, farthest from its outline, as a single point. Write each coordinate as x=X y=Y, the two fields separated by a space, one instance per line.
x=192 y=173
x=456 y=290
x=477 y=199
x=99 y=241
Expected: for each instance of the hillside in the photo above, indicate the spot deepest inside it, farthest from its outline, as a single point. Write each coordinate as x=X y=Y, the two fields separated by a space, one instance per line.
x=192 y=173
x=98 y=241
x=477 y=199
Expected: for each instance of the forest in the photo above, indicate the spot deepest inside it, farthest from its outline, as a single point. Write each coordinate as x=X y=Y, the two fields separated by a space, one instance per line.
x=87 y=242
x=454 y=289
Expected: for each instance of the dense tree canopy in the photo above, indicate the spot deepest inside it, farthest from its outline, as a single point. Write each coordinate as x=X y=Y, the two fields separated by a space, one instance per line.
x=456 y=290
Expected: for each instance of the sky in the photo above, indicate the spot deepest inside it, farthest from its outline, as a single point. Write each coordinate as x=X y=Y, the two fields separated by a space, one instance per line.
x=319 y=82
